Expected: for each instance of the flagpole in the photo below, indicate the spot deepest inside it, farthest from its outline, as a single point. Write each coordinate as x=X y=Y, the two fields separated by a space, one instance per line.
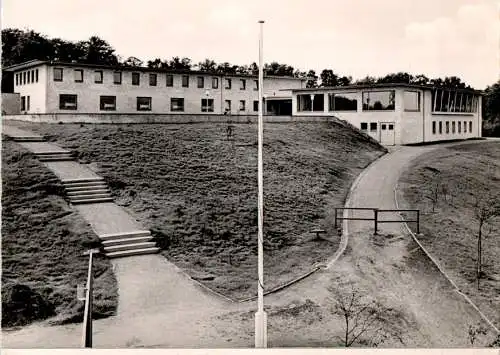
x=260 y=316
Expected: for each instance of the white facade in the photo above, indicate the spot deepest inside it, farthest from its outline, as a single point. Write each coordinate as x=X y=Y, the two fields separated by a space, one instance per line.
x=398 y=113
x=52 y=88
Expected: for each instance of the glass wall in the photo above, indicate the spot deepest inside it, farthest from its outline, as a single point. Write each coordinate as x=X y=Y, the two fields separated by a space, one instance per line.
x=304 y=102
x=411 y=100
x=343 y=102
x=378 y=100
x=449 y=100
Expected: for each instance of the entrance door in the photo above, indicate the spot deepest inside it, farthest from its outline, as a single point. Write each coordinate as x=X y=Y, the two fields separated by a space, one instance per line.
x=387 y=135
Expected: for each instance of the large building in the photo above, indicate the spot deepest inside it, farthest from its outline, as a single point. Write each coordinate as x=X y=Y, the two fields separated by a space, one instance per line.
x=397 y=113
x=49 y=87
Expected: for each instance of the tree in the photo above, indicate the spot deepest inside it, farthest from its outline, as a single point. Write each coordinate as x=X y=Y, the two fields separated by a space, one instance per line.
x=312 y=79
x=135 y=62
x=180 y=64
x=226 y=68
x=486 y=207
x=20 y=46
x=329 y=78
x=362 y=319
x=367 y=80
x=420 y=79
x=400 y=77
x=491 y=110
x=98 y=51
x=207 y=65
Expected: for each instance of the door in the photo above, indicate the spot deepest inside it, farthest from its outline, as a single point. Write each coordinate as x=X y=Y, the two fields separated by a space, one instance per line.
x=387 y=135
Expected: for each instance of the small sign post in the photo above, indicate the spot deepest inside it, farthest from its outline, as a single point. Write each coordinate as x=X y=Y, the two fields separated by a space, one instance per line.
x=87 y=315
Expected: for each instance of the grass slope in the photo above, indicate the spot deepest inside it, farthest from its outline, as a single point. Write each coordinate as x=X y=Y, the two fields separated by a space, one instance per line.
x=42 y=243
x=450 y=234
x=197 y=191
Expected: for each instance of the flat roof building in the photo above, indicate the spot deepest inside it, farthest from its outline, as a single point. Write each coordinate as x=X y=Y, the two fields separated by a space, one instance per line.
x=397 y=113
x=50 y=87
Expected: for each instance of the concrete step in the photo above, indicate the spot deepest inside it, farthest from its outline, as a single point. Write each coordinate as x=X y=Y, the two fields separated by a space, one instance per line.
x=88 y=191
x=92 y=200
x=94 y=186
x=81 y=181
x=129 y=246
x=132 y=240
x=85 y=196
x=133 y=234
x=125 y=253
x=28 y=139
x=84 y=183
x=58 y=158
x=55 y=152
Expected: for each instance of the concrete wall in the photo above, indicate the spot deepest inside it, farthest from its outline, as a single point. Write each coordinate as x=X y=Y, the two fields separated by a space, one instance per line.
x=158 y=118
x=126 y=94
x=37 y=91
x=11 y=104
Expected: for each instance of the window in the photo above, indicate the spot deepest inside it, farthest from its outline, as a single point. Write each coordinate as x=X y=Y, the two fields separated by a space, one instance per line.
x=170 y=80
x=27 y=103
x=215 y=83
x=143 y=103
x=448 y=100
x=391 y=127
x=58 y=74
x=470 y=126
x=227 y=106
x=24 y=78
x=256 y=106
x=107 y=103
x=185 y=81
x=307 y=101
x=67 y=102
x=256 y=86
x=32 y=76
x=373 y=126
x=453 y=127
x=465 y=126
x=433 y=127
x=228 y=84
x=383 y=126
x=136 y=78
x=440 y=127
x=28 y=79
x=117 y=77
x=23 y=103
x=176 y=104
x=36 y=75
x=243 y=84
x=342 y=102
x=411 y=101
x=207 y=105
x=98 y=77
x=152 y=79
x=364 y=126
x=447 y=127
x=17 y=79
x=78 y=73
x=242 y=105
x=378 y=100
x=201 y=82
x=459 y=127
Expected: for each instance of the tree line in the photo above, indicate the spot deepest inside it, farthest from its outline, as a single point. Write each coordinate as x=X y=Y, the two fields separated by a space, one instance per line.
x=22 y=45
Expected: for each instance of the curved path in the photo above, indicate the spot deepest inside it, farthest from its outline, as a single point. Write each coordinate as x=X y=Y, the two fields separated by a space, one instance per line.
x=161 y=306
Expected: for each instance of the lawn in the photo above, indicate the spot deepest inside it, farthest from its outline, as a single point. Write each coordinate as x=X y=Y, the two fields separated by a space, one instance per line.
x=42 y=243
x=197 y=191
x=450 y=232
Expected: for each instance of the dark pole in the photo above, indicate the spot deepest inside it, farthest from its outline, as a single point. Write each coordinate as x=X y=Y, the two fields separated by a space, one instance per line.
x=375 y=211
x=87 y=315
x=335 y=219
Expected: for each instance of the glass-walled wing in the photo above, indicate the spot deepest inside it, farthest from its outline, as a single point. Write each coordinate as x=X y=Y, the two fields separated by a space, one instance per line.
x=449 y=100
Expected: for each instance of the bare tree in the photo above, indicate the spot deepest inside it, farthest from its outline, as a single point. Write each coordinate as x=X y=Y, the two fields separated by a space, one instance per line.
x=486 y=207
x=362 y=319
x=434 y=188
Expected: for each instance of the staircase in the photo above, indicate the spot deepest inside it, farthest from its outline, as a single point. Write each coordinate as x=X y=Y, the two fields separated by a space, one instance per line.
x=91 y=190
x=128 y=244
x=55 y=156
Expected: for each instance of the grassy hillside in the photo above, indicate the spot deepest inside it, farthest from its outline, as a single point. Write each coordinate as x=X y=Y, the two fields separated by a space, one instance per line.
x=42 y=243
x=450 y=233
x=197 y=191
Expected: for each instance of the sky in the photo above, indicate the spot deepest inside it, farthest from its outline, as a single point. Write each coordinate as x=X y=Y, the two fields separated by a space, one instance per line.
x=352 y=37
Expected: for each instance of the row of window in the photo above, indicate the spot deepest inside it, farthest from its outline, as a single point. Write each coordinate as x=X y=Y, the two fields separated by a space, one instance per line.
x=444 y=100
x=27 y=77
x=374 y=125
x=372 y=101
x=108 y=103
x=153 y=79
x=454 y=127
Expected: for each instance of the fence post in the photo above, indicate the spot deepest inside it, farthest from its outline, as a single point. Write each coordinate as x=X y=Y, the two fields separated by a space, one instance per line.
x=375 y=211
x=418 y=221
x=335 y=219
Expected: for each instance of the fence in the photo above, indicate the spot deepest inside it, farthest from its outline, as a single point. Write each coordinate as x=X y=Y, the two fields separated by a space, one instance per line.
x=376 y=216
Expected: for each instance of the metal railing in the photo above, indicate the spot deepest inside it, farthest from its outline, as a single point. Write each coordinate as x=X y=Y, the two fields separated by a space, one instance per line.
x=376 y=218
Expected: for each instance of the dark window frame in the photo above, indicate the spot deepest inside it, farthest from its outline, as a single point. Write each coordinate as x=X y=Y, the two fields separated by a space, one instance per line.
x=226 y=109
x=440 y=130
x=453 y=127
x=332 y=104
x=242 y=108
x=243 y=84
x=24 y=78
x=433 y=127
x=153 y=79
x=418 y=101
x=182 y=107
x=169 y=80
x=200 y=82
x=136 y=78
x=61 y=70
x=208 y=106
x=255 y=105
x=150 y=103
x=228 y=84
x=215 y=82
x=36 y=75
x=23 y=103
x=373 y=126
x=120 y=77
x=101 y=75
x=185 y=81
x=75 y=71
x=102 y=104
x=367 y=107
x=256 y=87
x=63 y=107
x=363 y=126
